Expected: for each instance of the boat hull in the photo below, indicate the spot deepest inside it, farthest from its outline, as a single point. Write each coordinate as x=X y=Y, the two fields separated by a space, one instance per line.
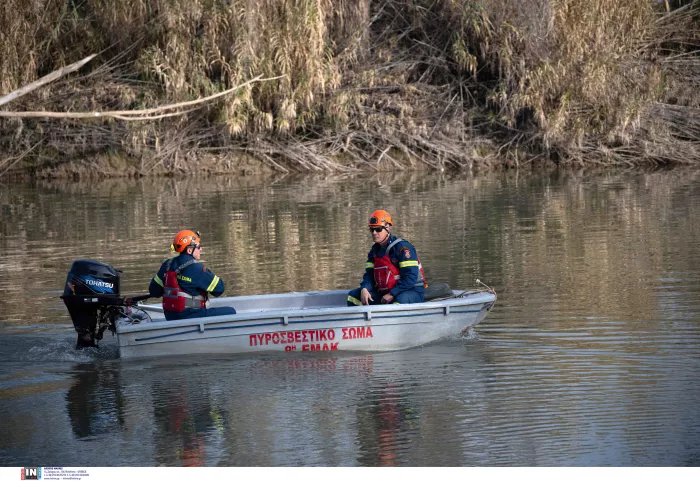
x=301 y=322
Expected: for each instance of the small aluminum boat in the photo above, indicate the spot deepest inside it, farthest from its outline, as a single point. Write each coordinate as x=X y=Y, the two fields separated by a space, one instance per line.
x=290 y=322
x=308 y=321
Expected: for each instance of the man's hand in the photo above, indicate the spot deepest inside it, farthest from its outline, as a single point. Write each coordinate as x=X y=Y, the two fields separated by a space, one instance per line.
x=365 y=296
x=387 y=299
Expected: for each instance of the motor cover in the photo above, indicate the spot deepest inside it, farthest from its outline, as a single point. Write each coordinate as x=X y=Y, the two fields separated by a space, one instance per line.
x=90 y=287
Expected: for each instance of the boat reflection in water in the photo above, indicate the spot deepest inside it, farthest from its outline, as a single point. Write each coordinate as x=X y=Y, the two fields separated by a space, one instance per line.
x=291 y=410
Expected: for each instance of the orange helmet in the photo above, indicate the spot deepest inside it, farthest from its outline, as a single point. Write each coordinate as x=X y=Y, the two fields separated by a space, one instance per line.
x=184 y=239
x=380 y=218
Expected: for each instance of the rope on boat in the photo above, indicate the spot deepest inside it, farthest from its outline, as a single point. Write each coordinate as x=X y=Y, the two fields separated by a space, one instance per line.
x=488 y=289
x=468 y=293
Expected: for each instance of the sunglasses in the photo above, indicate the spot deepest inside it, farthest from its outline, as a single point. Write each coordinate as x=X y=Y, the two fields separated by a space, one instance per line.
x=198 y=246
x=376 y=229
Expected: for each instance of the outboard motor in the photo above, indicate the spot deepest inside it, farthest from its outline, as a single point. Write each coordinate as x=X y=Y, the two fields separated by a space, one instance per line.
x=93 y=301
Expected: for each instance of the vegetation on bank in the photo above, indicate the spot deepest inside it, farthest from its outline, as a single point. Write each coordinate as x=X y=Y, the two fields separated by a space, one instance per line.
x=387 y=84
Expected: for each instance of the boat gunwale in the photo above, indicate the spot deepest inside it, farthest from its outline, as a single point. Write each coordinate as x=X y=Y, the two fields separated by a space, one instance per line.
x=364 y=312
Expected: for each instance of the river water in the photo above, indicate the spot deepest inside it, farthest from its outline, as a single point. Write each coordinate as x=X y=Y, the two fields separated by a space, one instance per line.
x=590 y=357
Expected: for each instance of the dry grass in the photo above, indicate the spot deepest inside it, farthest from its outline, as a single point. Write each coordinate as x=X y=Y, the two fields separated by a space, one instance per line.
x=389 y=84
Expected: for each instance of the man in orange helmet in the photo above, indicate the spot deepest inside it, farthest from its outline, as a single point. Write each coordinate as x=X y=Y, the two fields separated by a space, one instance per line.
x=185 y=284
x=393 y=273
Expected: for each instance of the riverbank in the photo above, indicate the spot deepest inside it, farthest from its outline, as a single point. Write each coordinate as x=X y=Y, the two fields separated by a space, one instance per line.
x=347 y=86
x=118 y=165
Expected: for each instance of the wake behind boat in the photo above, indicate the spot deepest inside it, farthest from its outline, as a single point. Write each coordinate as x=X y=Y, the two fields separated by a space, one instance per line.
x=306 y=321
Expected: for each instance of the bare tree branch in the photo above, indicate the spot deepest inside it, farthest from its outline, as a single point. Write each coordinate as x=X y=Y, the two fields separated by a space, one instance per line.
x=144 y=114
x=12 y=162
x=44 y=80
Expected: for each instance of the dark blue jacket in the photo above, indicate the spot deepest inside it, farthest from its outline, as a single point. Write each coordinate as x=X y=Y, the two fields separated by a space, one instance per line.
x=403 y=255
x=195 y=279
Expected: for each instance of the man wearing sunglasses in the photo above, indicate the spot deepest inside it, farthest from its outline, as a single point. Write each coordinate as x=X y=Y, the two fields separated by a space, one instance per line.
x=393 y=273
x=185 y=284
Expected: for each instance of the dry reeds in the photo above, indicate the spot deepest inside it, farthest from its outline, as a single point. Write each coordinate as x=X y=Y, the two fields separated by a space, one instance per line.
x=391 y=84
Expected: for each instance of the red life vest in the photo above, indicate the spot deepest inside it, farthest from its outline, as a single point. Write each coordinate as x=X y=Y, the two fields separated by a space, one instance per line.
x=174 y=298
x=387 y=275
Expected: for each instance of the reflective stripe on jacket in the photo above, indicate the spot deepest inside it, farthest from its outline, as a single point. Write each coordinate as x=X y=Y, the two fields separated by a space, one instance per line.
x=194 y=279
x=402 y=257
